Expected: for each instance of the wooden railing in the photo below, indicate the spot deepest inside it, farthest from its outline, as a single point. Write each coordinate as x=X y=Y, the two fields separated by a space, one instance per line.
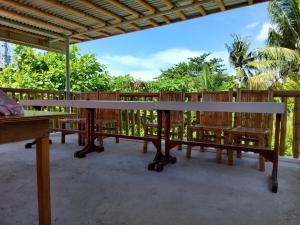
x=132 y=121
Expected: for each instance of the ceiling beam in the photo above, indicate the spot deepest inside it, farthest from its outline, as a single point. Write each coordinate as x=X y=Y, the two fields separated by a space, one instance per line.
x=33 y=22
x=23 y=33
x=221 y=5
x=152 y=9
x=28 y=9
x=171 y=5
x=69 y=10
x=17 y=38
x=100 y=10
x=202 y=10
x=131 y=11
x=43 y=14
x=58 y=5
x=124 y=7
x=30 y=29
x=106 y=12
x=166 y=12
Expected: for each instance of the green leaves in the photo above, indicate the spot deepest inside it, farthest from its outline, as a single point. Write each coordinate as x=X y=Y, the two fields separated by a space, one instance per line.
x=46 y=70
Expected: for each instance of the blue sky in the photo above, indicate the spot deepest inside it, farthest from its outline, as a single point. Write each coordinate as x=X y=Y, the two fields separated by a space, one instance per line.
x=143 y=54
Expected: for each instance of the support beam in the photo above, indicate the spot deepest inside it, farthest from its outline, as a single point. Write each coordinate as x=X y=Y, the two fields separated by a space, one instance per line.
x=42 y=14
x=33 y=22
x=100 y=10
x=68 y=69
x=30 y=29
x=152 y=9
x=18 y=37
x=124 y=7
x=131 y=11
x=58 y=5
x=170 y=5
x=221 y=5
x=141 y=18
x=110 y=14
x=202 y=10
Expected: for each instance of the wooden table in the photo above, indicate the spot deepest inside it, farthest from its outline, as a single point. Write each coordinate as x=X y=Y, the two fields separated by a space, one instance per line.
x=165 y=108
x=33 y=125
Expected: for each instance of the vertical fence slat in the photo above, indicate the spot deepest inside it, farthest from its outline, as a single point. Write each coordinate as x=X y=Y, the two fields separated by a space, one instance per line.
x=283 y=129
x=296 y=128
x=127 y=121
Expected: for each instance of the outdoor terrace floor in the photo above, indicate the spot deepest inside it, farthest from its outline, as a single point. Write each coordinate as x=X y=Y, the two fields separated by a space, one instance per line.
x=115 y=188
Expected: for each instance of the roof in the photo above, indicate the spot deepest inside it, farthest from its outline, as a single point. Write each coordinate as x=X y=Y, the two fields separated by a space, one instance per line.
x=46 y=24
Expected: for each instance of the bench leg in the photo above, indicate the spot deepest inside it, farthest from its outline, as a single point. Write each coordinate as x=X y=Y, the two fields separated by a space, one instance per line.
x=262 y=143
x=218 y=150
x=145 y=146
x=63 y=135
x=180 y=136
x=228 y=141
x=116 y=132
x=189 y=138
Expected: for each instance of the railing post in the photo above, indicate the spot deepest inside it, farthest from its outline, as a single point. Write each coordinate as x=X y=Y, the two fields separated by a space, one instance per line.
x=296 y=128
x=67 y=69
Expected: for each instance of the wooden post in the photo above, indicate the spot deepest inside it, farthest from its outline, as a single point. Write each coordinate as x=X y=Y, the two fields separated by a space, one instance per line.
x=43 y=180
x=283 y=128
x=296 y=128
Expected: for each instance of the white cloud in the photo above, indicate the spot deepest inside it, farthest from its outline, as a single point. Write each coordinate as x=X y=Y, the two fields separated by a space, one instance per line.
x=147 y=67
x=252 y=25
x=263 y=34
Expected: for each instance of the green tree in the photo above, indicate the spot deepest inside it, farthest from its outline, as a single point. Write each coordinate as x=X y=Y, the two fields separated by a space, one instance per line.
x=239 y=58
x=193 y=67
x=46 y=70
x=196 y=74
x=279 y=62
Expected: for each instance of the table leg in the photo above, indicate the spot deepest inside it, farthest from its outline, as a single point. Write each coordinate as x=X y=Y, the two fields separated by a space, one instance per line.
x=43 y=180
x=90 y=130
x=274 y=180
x=167 y=158
x=157 y=143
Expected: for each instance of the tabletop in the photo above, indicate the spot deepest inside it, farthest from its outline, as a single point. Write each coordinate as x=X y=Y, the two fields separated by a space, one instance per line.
x=33 y=115
x=243 y=107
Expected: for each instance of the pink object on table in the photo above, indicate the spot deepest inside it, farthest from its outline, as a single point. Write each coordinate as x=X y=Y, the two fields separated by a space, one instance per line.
x=9 y=107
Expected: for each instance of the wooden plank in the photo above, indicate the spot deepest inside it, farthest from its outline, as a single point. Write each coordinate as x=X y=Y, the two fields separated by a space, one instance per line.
x=296 y=129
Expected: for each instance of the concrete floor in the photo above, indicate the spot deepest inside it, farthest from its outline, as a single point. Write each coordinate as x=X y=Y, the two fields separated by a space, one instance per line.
x=115 y=188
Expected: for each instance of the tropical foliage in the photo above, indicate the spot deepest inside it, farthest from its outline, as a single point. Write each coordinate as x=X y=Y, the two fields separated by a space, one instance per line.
x=46 y=70
x=278 y=63
x=239 y=57
x=32 y=69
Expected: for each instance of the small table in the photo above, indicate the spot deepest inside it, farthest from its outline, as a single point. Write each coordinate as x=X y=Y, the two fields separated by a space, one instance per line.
x=34 y=125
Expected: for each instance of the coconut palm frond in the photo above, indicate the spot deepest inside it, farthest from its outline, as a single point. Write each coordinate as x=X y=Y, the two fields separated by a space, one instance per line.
x=262 y=81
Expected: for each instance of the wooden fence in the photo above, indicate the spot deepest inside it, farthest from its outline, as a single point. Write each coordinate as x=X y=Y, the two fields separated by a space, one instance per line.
x=132 y=121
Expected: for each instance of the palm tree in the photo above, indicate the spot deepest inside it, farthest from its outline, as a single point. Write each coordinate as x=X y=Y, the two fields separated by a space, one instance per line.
x=280 y=61
x=239 y=57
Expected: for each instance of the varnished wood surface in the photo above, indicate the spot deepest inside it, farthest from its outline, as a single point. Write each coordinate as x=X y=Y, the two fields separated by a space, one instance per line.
x=33 y=115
